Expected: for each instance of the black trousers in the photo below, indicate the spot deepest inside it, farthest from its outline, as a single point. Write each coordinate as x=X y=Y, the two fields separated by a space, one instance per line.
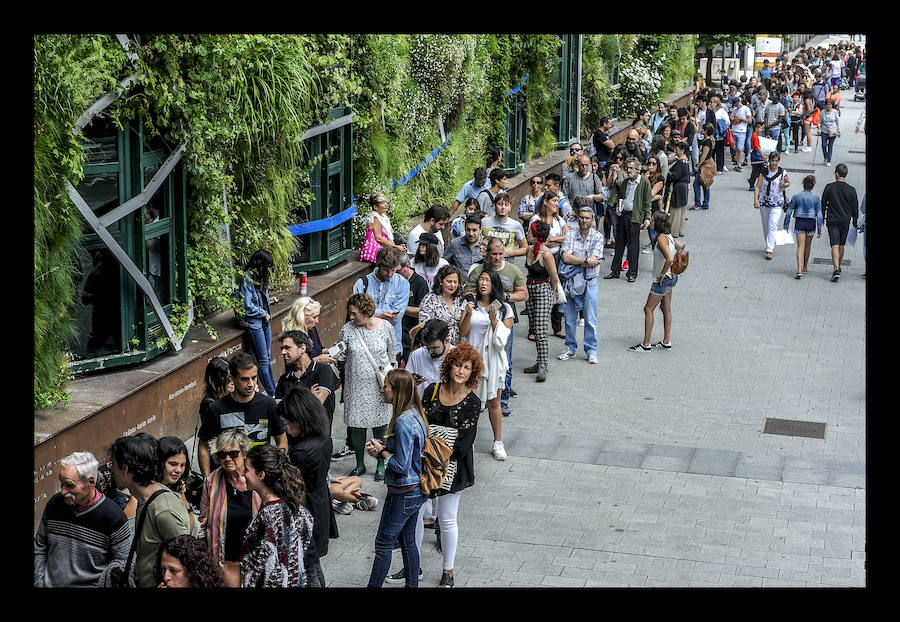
x=719 y=150
x=627 y=234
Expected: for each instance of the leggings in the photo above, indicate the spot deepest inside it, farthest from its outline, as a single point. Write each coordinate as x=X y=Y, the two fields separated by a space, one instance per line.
x=796 y=132
x=358 y=438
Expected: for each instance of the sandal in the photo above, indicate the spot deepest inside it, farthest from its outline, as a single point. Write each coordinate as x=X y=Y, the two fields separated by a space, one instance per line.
x=798 y=276
x=531 y=338
x=768 y=255
x=561 y=335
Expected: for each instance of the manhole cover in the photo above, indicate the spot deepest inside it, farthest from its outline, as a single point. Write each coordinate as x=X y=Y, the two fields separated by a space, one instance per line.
x=799 y=170
x=787 y=427
x=822 y=261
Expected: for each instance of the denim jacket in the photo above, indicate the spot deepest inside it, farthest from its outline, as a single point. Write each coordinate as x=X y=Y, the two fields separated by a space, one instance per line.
x=253 y=311
x=404 y=465
x=804 y=205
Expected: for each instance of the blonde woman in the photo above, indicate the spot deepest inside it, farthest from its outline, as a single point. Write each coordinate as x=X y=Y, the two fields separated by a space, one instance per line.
x=304 y=316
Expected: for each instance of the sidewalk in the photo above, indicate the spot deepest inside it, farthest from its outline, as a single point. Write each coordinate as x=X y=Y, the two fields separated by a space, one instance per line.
x=653 y=469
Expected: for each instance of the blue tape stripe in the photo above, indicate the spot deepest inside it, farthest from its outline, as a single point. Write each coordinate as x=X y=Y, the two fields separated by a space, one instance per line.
x=324 y=224
x=519 y=88
x=428 y=160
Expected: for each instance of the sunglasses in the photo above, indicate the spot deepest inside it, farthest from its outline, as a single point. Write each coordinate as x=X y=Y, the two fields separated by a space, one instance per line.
x=233 y=454
x=537 y=182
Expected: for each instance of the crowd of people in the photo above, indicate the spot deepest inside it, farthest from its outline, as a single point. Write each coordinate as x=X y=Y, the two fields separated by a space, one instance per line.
x=426 y=347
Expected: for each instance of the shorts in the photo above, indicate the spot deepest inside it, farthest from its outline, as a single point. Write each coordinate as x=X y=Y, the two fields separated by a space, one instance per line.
x=805 y=225
x=837 y=234
x=740 y=138
x=661 y=289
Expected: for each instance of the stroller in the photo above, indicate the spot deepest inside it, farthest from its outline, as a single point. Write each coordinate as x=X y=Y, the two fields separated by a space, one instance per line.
x=860 y=94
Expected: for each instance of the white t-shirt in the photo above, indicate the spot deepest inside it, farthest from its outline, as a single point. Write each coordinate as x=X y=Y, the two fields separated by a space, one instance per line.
x=423 y=364
x=509 y=230
x=742 y=112
x=412 y=241
x=479 y=325
x=427 y=273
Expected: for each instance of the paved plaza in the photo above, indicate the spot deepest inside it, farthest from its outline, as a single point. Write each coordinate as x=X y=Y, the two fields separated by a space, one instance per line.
x=652 y=469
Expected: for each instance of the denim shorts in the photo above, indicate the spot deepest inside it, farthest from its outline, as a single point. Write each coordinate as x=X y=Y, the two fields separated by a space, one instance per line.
x=805 y=225
x=661 y=289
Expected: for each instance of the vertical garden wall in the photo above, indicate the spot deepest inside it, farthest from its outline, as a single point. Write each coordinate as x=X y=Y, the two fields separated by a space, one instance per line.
x=239 y=105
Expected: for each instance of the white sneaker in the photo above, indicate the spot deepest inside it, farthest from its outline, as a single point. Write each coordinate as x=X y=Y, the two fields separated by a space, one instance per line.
x=581 y=322
x=806 y=149
x=341 y=507
x=498 y=451
x=565 y=356
x=592 y=359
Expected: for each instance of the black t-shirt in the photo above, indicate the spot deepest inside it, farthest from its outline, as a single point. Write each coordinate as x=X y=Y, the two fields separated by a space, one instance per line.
x=705 y=142
x=257 y=417
x=418 y=289
x=239 y=514
x=603 y=152
x=461 y=421
x=316 y=373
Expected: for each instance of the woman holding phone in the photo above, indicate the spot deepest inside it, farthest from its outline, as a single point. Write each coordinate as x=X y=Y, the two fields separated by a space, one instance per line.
x=486 y=324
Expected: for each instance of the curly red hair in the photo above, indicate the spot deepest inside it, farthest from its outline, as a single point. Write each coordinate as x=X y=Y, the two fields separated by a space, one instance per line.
x=459 y=355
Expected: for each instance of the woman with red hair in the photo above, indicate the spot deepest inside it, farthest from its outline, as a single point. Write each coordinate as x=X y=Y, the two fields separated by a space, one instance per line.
x=452 y=407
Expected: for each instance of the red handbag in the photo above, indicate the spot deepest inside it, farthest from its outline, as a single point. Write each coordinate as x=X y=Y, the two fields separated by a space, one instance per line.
x=729 y=138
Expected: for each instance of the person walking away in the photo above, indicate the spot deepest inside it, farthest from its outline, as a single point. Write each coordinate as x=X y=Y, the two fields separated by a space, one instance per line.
x=663 y=282
x=806 y=208
x=840 y=206
x=768 y=198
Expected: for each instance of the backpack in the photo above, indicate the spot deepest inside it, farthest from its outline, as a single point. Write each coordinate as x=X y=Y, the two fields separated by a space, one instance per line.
x=680 y=261
x=435 y=460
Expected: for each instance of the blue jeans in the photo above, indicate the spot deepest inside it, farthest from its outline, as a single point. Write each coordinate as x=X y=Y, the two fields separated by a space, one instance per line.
x=827 y=146
x=697 y=188
x=507 y=387
x=398 y=518
x=261 y=338
x=590 y=320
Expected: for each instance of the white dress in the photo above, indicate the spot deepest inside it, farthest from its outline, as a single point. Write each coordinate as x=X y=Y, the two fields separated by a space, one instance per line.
x=364 y=405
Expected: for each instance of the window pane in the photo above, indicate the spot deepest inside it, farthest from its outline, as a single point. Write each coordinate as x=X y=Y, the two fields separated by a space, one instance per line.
x=158 y=207
x=158 y=268
x=101 y=192
x=334 y=140
x=97 y=312
x=334 y=195
x=102 y=145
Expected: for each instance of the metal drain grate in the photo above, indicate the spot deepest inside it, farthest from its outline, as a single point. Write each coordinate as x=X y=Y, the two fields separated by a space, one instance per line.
x=787 y=427
x=827 y=262
x=853 y=151
x=799 y=170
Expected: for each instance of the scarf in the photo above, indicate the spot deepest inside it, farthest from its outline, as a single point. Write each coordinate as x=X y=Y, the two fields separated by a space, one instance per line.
x=537 y=242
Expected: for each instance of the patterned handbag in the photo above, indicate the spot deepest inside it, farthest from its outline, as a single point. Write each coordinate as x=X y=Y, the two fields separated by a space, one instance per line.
x=370 y=247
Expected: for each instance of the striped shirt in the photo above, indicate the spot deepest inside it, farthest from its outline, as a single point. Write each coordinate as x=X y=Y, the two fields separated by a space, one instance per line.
x=72 y=548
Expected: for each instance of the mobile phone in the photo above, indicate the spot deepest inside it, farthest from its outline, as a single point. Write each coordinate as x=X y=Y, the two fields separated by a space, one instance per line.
x=470 y=298
x=496 y=304
x=336 y=349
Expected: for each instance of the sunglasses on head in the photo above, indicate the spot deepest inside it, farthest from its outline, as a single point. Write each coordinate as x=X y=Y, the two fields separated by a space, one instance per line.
x=233 y=454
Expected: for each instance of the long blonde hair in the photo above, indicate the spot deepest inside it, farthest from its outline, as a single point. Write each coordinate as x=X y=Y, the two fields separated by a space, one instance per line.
x=405 y=396
x=296 y=317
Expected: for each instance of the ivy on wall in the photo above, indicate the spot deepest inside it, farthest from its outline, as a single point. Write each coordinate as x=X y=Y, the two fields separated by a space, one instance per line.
x=239 y=104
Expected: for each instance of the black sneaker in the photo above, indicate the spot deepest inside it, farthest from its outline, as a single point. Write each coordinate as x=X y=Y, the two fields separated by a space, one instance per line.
x=640 y=348
x=400 y=576
x=446 y=580
x=835 y=276
x=343 y=452
x=662 y=346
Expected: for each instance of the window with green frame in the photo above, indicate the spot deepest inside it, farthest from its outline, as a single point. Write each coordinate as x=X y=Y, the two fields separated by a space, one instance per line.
x=115 y=321
x=565 y=74
x=515 y=146
x=325 y=228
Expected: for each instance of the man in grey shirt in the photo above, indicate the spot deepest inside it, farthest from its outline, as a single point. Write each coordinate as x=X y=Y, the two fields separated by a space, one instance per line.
x=584 y=183
x=465 y=250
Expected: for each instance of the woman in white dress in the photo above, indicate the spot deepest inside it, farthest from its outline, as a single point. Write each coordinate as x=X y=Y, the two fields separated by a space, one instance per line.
x=364 y=405
x=486 y=324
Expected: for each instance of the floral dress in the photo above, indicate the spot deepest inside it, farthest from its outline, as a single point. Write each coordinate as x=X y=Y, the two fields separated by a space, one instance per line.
x=364 y=405
x=275 y=544
x=434 y=307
